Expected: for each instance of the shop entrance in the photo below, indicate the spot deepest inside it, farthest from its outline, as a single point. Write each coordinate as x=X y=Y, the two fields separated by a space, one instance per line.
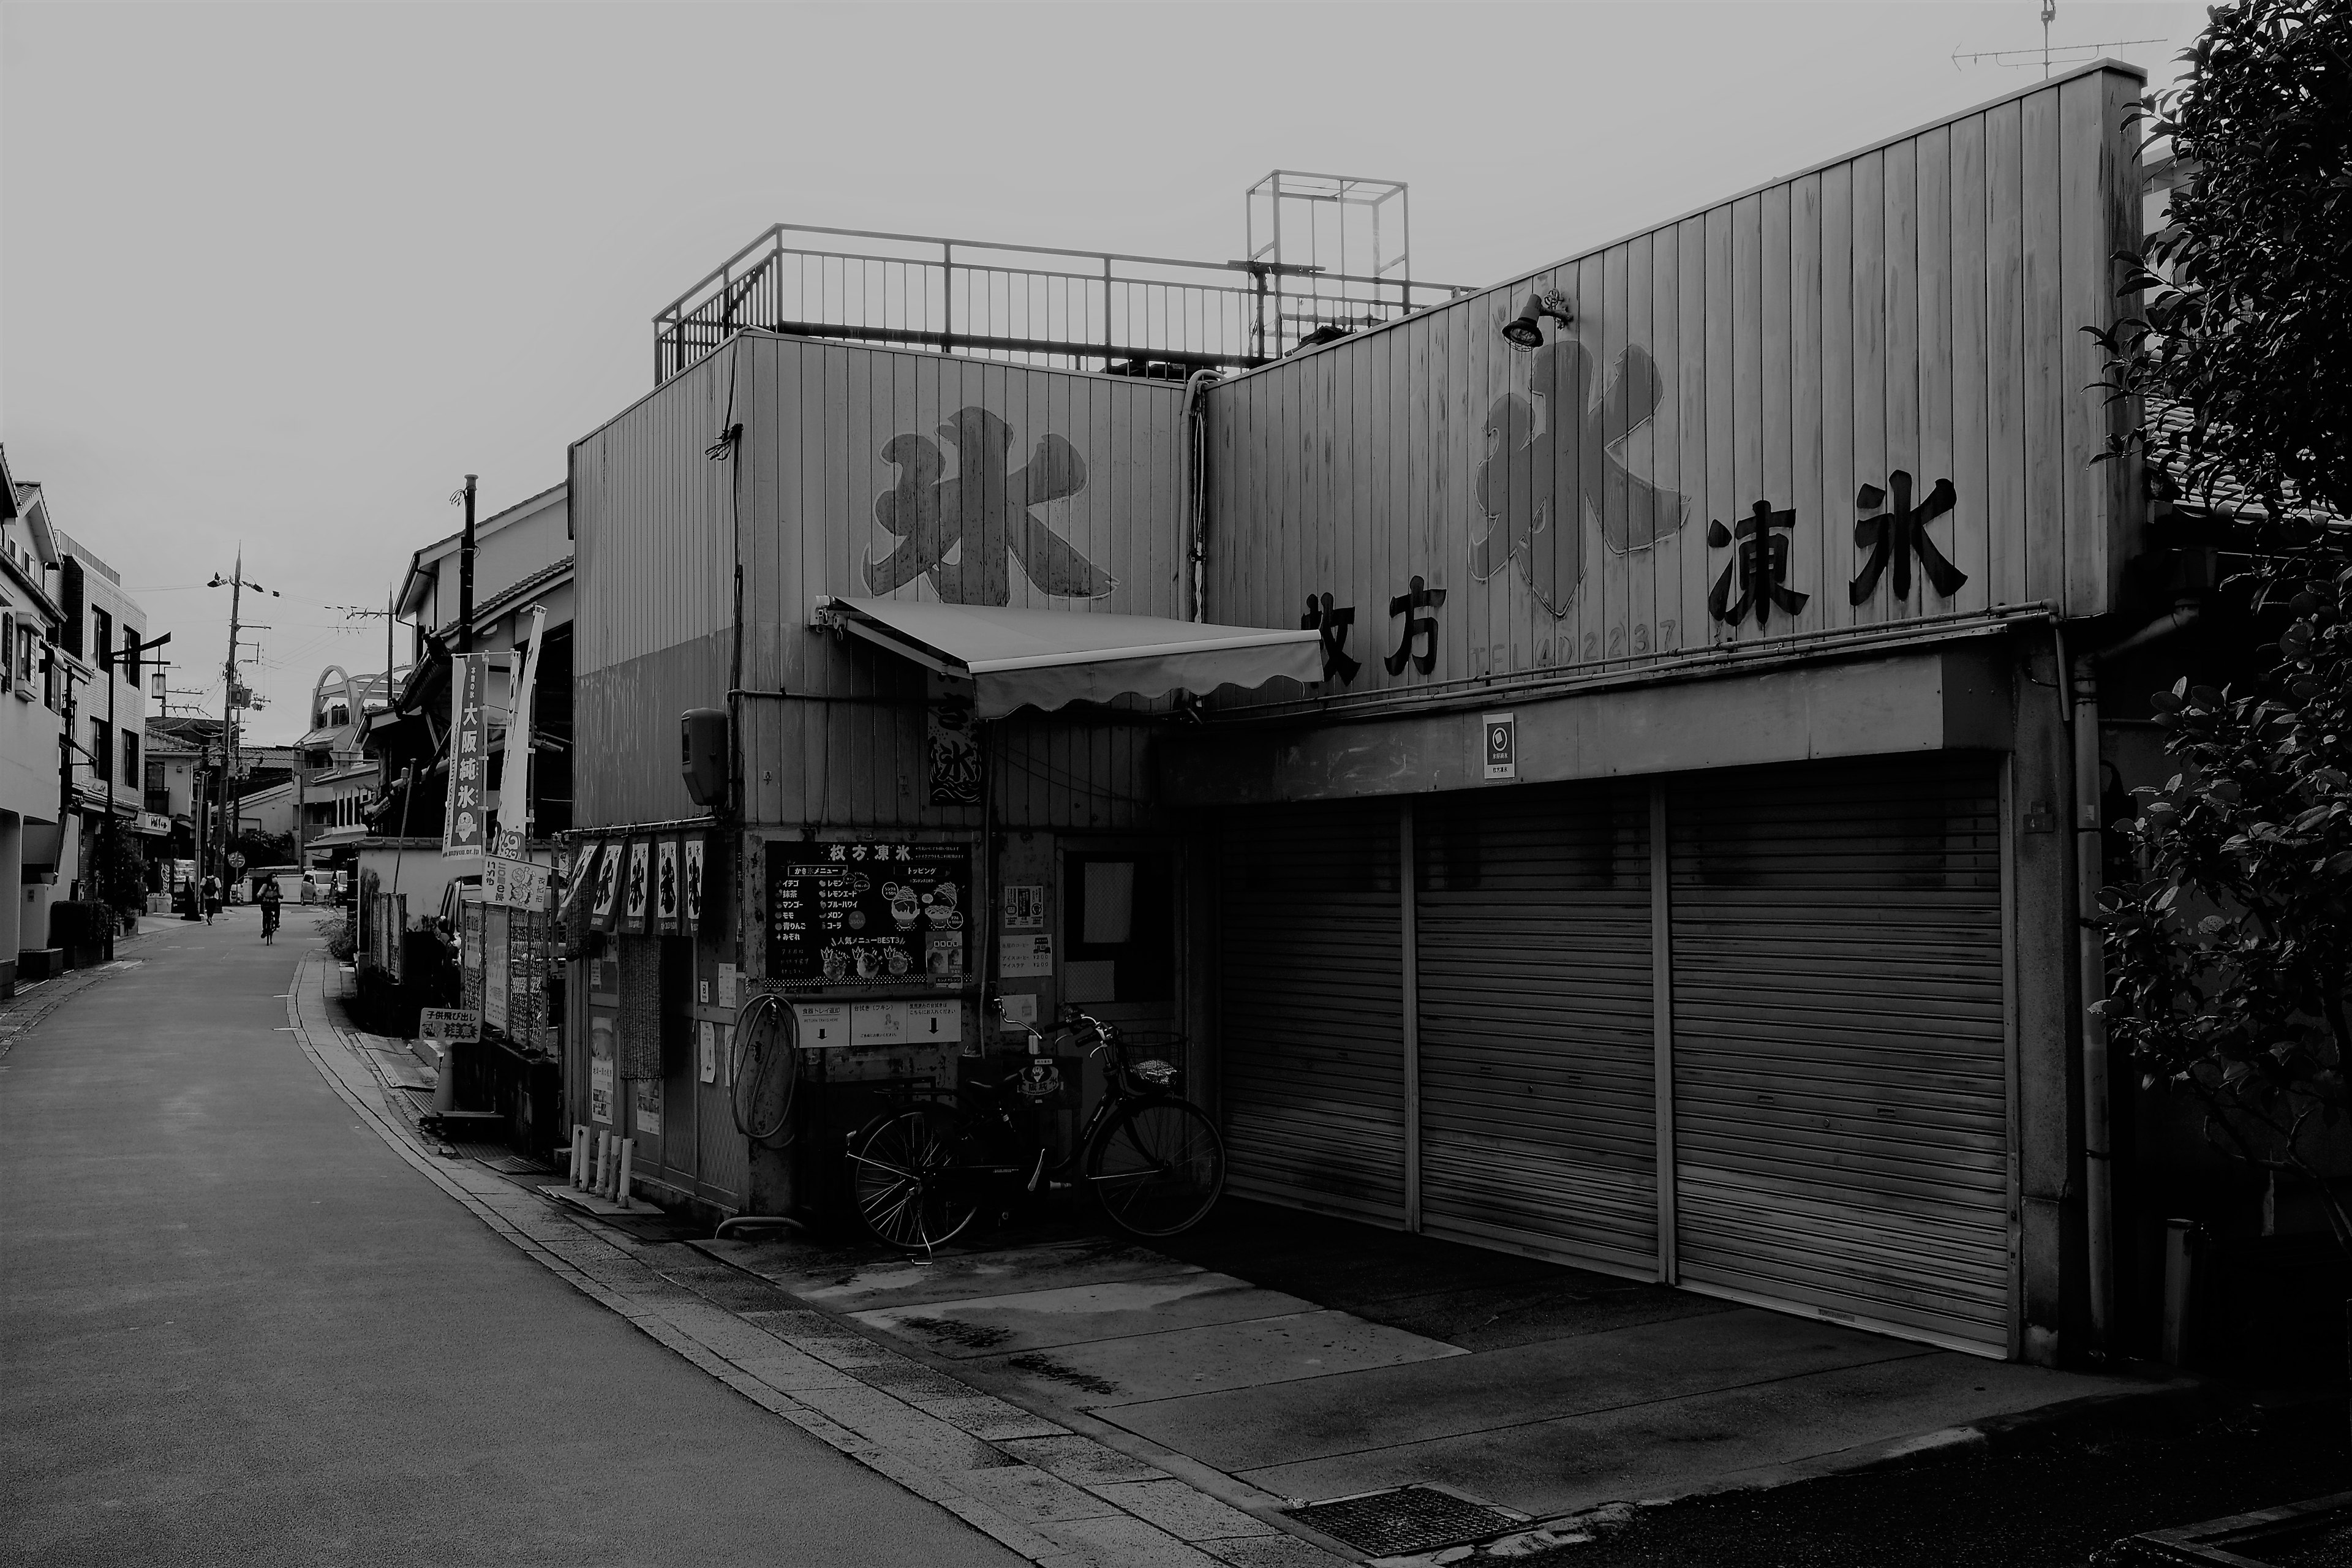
x=1119 y=943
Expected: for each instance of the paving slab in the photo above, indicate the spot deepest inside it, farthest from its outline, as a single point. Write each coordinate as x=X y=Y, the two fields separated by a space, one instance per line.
x=1208 y=1359
x=1668 y=1447
x=1289 y=1423
x=854 y=1280
x=1078 y=1314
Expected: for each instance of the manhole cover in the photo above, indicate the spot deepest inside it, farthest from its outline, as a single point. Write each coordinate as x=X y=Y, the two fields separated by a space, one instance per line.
x=1405 y=1519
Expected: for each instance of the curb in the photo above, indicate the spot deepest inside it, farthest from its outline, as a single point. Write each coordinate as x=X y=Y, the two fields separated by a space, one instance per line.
x=1054 y=1496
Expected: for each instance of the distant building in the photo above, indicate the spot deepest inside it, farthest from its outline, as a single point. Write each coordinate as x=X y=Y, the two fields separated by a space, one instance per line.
x=102 y=627
x=31 y=807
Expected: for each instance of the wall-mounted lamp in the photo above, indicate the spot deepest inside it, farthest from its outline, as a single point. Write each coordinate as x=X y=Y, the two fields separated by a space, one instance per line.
x=1527 y=331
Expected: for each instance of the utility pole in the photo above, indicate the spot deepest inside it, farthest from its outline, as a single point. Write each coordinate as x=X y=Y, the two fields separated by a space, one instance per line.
x=466 y=576
x=237 y=585
x=228 y=724
x=131 y=649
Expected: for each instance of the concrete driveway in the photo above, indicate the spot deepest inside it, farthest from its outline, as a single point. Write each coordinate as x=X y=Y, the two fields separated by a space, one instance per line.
x=1299 y=1358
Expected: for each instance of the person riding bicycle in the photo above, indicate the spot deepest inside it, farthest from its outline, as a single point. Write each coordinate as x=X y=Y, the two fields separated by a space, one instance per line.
x=271 y=901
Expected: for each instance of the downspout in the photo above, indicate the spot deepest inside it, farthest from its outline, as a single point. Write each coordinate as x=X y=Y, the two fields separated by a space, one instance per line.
x=1196 y=500
x=2080 y=706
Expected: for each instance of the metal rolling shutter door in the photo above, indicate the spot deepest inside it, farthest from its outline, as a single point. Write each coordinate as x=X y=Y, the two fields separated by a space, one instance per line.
x=1840 y=1091
x=1310 y=1008
x=1537 y=1056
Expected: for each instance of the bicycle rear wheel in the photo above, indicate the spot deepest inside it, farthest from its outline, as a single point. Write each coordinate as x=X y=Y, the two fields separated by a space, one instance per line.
x=1157 y=1168
x=905 y=1183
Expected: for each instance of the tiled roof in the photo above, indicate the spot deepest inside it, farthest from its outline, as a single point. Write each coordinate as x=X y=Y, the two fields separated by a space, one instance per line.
x=2222 y=497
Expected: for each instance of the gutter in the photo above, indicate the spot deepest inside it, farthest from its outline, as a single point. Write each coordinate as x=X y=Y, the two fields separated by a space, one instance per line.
x=2080 y=709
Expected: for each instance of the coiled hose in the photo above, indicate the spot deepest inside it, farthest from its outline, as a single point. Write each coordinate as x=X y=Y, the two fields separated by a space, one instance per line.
x=765 y=1034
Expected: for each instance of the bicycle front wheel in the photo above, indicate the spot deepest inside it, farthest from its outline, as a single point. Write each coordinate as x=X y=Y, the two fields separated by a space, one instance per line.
x=1157 y=1168
x=905 y=1182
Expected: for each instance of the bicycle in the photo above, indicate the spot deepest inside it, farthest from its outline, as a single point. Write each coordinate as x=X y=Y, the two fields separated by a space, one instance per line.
x=1148 y=1159
x=270 y=915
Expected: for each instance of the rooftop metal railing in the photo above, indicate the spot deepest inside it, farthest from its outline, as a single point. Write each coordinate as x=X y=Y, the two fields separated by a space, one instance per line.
x=1031 y=304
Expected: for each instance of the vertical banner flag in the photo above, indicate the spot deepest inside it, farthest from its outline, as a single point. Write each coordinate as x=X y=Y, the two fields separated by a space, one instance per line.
x=464 y=825
x=637 y=887
x=690 y=901
x=666 y=890
x=514 y=777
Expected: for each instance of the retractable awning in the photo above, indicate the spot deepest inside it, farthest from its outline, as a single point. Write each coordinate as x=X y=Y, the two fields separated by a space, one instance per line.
x=1043 y=658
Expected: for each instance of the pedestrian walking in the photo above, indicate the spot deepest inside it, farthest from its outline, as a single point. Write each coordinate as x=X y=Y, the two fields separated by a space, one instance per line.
x=212 y=899
x=271 y=901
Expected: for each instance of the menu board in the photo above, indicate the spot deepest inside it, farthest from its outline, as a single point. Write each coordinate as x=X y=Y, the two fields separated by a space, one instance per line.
x=868 y=916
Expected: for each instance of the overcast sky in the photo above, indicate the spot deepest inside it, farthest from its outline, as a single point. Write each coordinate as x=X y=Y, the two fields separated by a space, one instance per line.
x=283 y=274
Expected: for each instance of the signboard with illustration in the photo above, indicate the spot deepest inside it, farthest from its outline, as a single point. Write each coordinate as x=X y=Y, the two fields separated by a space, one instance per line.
x=868 y=916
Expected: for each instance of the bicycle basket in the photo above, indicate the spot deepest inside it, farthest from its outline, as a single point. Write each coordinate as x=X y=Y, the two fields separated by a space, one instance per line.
x=1151 y=1061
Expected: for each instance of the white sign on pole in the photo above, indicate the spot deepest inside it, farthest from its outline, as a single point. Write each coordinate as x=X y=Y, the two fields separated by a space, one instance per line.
x=450 y=1026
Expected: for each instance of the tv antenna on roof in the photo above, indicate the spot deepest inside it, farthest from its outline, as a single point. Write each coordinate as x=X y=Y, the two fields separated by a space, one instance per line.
x=2064 y=55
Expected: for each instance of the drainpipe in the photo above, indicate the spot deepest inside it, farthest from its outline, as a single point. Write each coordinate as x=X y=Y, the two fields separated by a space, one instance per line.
x=1196 y=474
x=2081 y=706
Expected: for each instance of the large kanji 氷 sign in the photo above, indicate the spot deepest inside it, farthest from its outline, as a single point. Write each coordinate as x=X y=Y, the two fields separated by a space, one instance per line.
x=985 y=515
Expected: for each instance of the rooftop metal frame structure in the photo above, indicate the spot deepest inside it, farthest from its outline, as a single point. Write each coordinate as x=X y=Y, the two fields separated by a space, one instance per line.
x=1078 y=309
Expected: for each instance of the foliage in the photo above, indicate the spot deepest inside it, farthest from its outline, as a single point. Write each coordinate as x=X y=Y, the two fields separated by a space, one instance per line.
x=336 y=932
x=266 y=849
x=2247 y=309
x=2230 y=961
x=118 y=869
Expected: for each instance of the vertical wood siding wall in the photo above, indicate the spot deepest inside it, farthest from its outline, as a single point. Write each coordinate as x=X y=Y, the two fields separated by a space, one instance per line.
x=658 y=524
x=1914 y=307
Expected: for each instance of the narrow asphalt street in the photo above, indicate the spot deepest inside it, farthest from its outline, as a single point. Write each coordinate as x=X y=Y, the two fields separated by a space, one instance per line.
x=238 y=1329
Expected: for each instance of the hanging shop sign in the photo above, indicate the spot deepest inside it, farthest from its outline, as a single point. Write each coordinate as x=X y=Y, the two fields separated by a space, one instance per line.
x=689 y=908
x=867 y=915
x=637 y=887
x=579 y=899
x=607 y=905
x=466 y=822
x=514 y=884
x=668 y=889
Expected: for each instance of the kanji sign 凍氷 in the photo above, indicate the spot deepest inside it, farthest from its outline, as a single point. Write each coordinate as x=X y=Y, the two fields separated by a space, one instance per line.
x=867 y=915
x=1899 y=532
x=466 y=822
x=1758 y=566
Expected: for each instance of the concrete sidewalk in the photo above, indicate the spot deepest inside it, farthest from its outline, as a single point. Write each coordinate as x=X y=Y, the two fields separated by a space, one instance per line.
x=1035 y=1486
x=1558 y=1392
x=1085 y=1400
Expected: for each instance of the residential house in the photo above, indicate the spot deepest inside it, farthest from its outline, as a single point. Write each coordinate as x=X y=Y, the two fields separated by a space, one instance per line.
x=31 y=721
x=104 y=628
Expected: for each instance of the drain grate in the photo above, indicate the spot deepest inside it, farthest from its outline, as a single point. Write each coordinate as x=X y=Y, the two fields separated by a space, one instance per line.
x=1404 y=1519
